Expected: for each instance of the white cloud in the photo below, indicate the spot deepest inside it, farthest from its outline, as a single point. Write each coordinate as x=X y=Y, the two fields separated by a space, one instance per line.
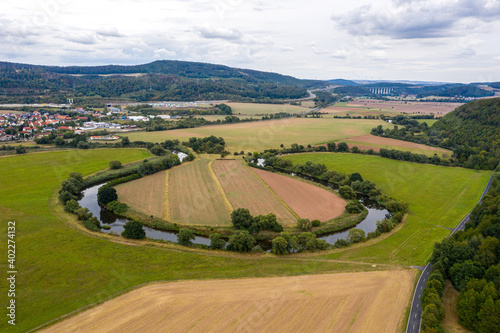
x=164 y=53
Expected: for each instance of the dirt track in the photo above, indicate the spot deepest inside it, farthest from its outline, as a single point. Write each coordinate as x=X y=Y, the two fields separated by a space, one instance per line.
x=306 y=200
x=346 y=302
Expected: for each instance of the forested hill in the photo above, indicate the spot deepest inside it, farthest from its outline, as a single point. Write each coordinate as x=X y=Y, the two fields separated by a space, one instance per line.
x=159 y=80
x=473 y=129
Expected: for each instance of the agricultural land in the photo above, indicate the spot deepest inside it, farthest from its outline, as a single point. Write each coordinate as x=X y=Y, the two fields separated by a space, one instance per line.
x=343 y=302
x=257 y=136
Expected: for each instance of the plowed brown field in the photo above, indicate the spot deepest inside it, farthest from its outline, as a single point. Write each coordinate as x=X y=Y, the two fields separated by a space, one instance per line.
x=346 y=302
x=145 y=194
x=245 y=190
x=306 y=200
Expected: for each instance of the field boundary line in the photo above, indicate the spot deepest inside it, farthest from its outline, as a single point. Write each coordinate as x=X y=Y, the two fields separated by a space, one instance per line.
x=222 y=193
x=276 y=195
x=166 y=200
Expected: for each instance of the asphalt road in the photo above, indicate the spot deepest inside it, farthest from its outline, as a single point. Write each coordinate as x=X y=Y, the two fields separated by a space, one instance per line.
x=416 y=306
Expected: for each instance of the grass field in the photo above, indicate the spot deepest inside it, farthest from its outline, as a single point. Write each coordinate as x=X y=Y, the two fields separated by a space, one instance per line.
x=376 y=143
x=244 y=189
x=322 y=303
x=251 y=109
x=215 y=117
x=257 y=136
x=438 y=197
x=429 y=122
x=62 y=270
x=145 y=194
x=308 y=201
x=194 y=197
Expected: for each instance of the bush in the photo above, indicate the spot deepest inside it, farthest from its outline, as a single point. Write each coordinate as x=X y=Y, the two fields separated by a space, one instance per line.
x=71 y=206
x=316 y=223
x=385 y=225
x=65 y=196
x=91 y=225
x=355 y=177
x=354 y=208
x=216 y=242
x=83 y=213
x=185 y=237
x=134 y=230
x=106 y=194
x=304 y=224
x=347 y=192
x=115 y=165
x=117 y=207
x=341 y=243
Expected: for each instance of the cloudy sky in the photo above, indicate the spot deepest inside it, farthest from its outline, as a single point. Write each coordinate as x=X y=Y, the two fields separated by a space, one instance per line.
x=436 y=40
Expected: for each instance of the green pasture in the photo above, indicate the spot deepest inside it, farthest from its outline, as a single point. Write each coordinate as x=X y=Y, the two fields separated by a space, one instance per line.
x=439 y=198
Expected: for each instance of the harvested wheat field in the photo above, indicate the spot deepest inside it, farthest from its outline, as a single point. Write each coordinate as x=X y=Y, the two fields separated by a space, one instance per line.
x=145 y=194
x=307 y=200
x=377 y=142
x=345 y=302
x=245 y=190
x=194 y=197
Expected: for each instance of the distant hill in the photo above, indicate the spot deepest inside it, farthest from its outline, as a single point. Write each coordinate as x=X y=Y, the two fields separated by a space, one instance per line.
x=343 y=82
x=159 y=80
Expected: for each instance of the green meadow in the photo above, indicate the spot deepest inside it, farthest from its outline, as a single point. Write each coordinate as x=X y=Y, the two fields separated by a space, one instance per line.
x=439 y=197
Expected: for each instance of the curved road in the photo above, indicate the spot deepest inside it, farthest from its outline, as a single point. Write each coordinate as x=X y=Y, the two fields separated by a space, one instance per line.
x=416 y=306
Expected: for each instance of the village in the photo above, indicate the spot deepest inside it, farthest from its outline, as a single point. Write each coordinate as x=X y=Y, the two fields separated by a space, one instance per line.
x=25 y=126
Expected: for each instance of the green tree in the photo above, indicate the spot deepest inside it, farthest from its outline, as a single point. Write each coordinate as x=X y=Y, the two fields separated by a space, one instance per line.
x=280 y=246
x=241 y=241
x=355 y=177
x=468 y=308
x=83 y=213
x=21 y=150
x=342 y=147
x=241 y=218
x=71 y=206
x=185 y=237
x=488 y=317
x=347 y=192
x=216 y=241
x=115 y=165
x=355 y=236
x=106 y=194
x=133 y=229
x=304 y=224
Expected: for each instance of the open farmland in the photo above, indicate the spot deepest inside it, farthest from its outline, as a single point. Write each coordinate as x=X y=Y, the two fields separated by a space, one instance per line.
x=251 y=109
x=145 y=194
x=348 y=302
x=86 y=270
x=244 y=189
x=408 y=107
x=194 y=197
x=369 y=141
x=307 y=200
x=439 y=197
x=260 y=135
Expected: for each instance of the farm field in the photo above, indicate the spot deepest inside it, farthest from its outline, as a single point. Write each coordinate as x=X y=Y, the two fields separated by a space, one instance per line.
x=331 y=302
x=429 y=122
x=261 y=135
x=307 y=200
x=194 y=197
x=244 y=189
x=145 y=194
x=215 y=117
x=368 y=141
x=439 y=197
x=65 y=269
x=251 y=109
x=437 y=108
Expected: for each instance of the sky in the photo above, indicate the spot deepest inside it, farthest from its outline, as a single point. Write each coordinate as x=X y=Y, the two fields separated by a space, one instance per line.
x=428 y=40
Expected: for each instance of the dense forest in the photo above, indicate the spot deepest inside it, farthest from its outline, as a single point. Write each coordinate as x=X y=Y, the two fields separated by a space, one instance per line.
x=472 y=131
x=160 y=80
x=469 y=259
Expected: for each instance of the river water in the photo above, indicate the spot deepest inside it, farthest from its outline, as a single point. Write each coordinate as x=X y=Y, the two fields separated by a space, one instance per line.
x=89 y=200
